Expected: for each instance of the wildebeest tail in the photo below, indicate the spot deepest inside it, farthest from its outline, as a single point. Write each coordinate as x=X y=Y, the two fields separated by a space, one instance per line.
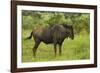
x=30 y=36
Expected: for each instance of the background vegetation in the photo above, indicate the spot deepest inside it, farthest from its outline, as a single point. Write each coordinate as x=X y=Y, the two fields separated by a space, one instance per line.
x=76 y=49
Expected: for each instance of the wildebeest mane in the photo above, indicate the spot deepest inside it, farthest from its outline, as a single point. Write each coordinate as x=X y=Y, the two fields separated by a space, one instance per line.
x=67 y=26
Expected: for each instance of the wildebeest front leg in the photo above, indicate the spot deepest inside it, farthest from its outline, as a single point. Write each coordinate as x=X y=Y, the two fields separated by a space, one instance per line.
x=35 y=48
x=55 y=48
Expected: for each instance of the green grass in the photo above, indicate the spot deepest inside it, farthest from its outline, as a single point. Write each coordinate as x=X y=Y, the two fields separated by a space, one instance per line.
x=77 y=49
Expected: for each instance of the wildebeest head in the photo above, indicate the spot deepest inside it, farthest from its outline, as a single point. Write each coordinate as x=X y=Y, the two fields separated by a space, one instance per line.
x=69 y=31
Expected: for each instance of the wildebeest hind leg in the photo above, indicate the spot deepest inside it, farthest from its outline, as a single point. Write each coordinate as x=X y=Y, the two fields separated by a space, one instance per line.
x=35 y=48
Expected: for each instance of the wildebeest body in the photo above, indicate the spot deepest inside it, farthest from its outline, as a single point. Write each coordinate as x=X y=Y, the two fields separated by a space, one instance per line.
x=47 y=36
x=54 y=34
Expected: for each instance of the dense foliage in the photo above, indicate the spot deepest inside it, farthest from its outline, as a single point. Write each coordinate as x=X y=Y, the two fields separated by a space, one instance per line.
x=32 y=19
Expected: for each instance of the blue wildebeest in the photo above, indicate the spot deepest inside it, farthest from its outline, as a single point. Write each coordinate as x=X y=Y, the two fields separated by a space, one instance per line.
x=54 y=34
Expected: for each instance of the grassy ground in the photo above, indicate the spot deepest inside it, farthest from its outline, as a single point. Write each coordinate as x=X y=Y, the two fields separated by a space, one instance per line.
x=76 y=49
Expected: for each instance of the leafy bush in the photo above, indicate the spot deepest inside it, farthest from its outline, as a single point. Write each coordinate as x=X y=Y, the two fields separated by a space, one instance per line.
x=80 y=21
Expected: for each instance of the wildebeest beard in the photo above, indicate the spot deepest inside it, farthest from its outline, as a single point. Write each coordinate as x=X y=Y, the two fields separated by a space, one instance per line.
x=55 y=34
